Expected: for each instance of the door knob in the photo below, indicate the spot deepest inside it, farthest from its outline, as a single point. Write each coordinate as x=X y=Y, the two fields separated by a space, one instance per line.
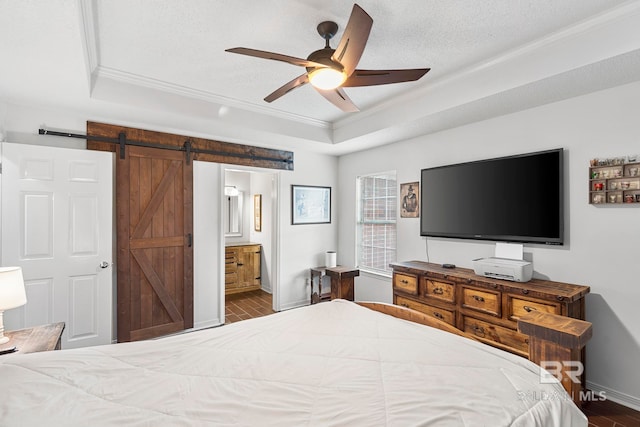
x=104 y=264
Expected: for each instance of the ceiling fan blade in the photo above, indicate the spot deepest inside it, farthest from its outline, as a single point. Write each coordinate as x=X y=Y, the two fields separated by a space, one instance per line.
x=288 y=87
x=338 y=98
x=354 y=39
x=274 y=56
x=383 y=77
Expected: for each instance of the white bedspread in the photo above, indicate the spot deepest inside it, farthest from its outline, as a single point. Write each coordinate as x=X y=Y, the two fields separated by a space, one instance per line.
x=328 y=364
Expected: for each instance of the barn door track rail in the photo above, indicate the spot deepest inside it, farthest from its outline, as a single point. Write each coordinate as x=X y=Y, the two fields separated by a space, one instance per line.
x=188 y=148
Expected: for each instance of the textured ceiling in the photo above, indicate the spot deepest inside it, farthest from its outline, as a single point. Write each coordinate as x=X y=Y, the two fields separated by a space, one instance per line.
x=184 y=43
x=168 y=55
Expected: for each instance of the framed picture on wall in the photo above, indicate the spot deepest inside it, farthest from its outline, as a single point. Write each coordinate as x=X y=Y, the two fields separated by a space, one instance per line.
x=310 y=205
x=409 y=200
x=257 y=212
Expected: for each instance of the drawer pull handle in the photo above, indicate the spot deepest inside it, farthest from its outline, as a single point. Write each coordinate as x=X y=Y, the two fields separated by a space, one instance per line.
x=240 y=264
x=438 y=291
x=478 y=330
x=438 y=315
x=525 y=291
x=478 y=298
x=406 y=282
x=529 y=309
x=405 y=305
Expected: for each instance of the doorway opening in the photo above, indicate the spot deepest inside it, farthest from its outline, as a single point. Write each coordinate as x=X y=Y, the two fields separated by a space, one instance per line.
x=250 y=223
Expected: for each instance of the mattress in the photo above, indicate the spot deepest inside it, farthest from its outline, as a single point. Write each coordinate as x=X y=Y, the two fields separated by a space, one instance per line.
x=334 y=363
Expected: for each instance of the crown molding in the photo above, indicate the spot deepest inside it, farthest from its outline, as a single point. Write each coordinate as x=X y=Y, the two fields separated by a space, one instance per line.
x=89 y=38
x=91 y=49
x=191 y=93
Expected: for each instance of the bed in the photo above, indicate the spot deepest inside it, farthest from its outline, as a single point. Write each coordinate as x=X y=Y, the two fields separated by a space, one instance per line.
x=335 y=363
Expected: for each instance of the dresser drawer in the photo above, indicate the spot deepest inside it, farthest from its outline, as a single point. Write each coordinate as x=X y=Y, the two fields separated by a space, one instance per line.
x=447 y=316
x=482 y=300
x=518 y=306
x=405 y=283
x=440 y=290
x=498 y=336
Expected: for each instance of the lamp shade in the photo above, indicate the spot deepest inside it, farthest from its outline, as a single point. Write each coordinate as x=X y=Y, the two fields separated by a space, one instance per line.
x=12 y=293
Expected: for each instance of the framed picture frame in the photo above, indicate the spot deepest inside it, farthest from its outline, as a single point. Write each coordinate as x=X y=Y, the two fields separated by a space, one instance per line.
x=257 y=212
x=310 y=205
x=410 y=200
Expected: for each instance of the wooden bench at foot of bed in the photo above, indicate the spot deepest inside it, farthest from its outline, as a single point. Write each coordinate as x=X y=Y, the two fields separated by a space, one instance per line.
x=555 y=342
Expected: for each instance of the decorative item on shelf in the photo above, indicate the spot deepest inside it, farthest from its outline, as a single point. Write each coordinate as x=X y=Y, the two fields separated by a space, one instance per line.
x=330 y=259
x=617 y=178
x=12 y=294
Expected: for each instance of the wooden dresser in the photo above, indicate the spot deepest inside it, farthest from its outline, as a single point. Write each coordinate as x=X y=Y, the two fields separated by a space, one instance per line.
x=242 y=267
x=484 y=307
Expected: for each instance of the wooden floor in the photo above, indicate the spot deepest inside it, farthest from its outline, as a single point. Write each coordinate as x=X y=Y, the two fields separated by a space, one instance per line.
x=247 y=305
x=600 y=413
x=609 y=414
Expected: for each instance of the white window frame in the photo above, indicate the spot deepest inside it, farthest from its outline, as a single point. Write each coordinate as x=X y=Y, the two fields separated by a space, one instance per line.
x=386 y=271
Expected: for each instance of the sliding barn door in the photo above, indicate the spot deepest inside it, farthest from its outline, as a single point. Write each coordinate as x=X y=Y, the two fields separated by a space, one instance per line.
x=154 y=191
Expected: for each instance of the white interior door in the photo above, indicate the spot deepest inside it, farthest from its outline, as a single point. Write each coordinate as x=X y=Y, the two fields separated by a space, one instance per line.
x=57 y=225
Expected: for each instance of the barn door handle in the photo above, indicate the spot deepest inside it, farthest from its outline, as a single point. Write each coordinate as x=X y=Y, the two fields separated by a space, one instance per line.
x=189 y=240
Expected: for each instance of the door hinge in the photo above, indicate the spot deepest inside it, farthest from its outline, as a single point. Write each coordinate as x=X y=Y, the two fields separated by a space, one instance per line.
x=0 y=168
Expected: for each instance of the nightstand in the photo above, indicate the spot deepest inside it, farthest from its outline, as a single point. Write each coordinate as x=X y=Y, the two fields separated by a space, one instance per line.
x=32 y=340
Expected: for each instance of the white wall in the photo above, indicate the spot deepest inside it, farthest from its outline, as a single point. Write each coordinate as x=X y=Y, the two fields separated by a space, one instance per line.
x=208 y=262
x=601 y=248
x=264 y=184
x=304 y=246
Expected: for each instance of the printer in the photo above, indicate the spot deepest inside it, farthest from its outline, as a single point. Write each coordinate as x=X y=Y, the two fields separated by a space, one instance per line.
x=503 y=268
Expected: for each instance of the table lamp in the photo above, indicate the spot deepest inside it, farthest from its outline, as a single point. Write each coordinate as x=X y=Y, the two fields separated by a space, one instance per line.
x=12 y=294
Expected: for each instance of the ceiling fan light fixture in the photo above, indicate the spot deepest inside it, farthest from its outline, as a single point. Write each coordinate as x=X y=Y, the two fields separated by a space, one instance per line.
x=327 y=78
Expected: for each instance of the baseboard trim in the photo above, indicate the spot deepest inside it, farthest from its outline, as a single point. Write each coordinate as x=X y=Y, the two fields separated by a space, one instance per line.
x=295 y=304
x=615 y=396
x=208 y=324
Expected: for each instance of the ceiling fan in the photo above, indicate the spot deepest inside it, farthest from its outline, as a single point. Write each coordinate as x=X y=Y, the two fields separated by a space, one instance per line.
x=330 y=70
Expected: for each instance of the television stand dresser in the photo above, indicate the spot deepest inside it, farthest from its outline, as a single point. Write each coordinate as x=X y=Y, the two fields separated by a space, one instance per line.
x=484 y=307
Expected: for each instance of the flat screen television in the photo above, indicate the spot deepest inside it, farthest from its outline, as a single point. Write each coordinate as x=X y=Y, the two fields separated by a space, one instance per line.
x=514 y=199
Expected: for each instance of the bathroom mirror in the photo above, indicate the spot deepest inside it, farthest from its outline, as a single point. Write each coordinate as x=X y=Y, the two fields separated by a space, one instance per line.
x=233 y=215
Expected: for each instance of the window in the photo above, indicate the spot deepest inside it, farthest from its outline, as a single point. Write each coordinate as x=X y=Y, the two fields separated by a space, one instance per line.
x=376 y=222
